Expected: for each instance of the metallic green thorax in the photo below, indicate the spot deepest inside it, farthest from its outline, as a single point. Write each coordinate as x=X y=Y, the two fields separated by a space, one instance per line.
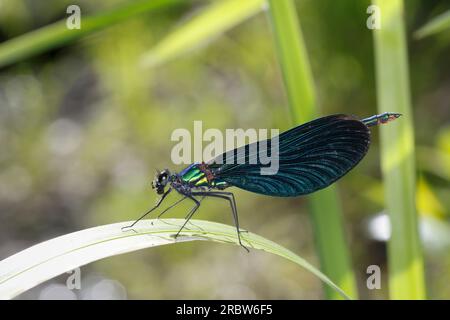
x=194 y=176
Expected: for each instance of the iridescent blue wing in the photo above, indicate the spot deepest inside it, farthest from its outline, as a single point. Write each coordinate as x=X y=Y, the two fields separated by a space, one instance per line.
x=311 y=157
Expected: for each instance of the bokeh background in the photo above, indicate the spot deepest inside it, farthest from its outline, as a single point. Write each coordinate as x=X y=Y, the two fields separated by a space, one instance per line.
x=84 y=126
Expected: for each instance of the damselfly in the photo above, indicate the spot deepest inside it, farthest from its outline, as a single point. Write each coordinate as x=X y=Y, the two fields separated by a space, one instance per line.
x=311 y=156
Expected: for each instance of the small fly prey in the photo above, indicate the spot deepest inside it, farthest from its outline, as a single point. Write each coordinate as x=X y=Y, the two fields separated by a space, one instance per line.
x=311 y=156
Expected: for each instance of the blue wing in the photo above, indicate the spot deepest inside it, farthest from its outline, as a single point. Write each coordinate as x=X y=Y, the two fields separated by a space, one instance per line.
x=311 y=157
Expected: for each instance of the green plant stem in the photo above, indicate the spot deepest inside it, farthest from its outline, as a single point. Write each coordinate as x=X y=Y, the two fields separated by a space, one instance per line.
x=57 y=34
x=406 y=274
x=324 y=205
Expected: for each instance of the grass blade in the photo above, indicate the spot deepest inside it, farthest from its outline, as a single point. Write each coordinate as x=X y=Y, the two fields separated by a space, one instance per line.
x=324 y=205
x=211 y=22
x=57 y=34
x=48 y=259
x=406 y=278
x=436 y=25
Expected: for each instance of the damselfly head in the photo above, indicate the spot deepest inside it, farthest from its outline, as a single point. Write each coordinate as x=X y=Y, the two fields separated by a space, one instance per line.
x=160 y=181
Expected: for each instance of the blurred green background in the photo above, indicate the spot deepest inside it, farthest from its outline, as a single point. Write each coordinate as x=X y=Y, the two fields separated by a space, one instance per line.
x=84 y=126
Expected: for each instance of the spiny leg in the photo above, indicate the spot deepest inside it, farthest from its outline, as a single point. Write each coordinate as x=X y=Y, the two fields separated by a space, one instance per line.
x=174 y=204
x=171 y=206
x=187 y=216
x=230 y=197
x=149 y=211
x=190 y=214
x=235 y=214
x=199 y=202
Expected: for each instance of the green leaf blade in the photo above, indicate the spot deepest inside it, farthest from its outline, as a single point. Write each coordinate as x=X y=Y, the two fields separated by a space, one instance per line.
x=57 y=34
x=51 y=258
x=213 y=21
x=436 y=25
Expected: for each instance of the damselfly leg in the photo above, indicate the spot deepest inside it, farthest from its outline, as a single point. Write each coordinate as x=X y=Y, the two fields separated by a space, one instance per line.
x=149 y=211
x=230 y=197
x=171 y=206
x=214 y=194
x=190 y=214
